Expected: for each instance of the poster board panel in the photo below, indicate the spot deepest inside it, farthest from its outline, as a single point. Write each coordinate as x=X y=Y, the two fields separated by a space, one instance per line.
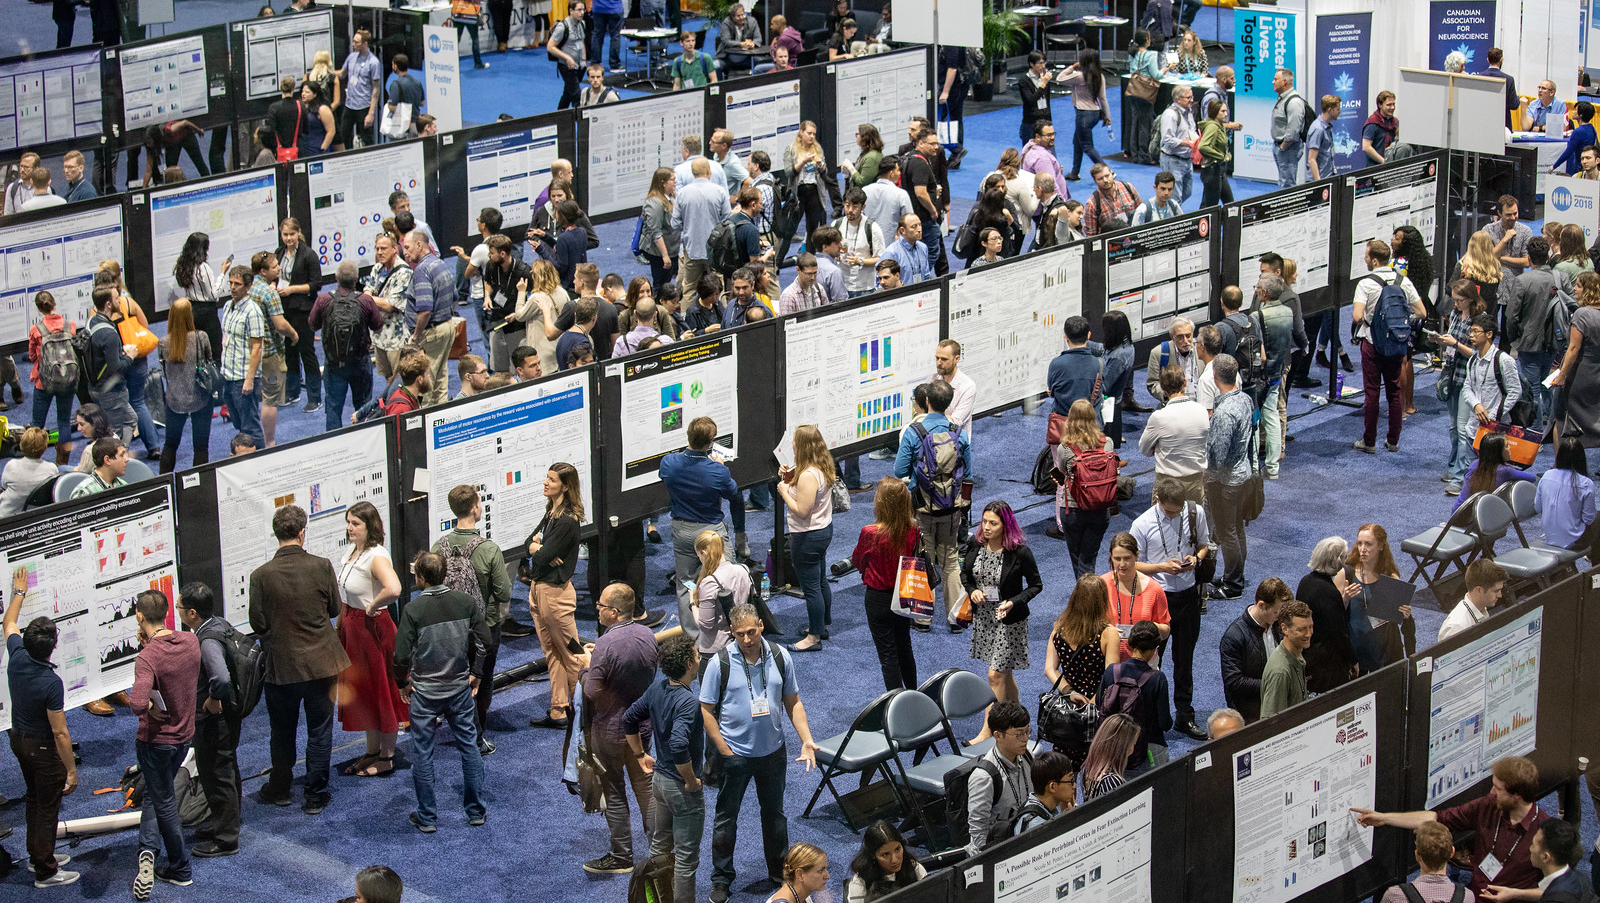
x=342 y=199
x=505 y=165
x=56 y=250
x=54 y=102
x=180 y=76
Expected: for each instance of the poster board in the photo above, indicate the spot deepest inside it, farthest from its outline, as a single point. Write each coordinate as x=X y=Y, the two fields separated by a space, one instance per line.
x=1379 y=200
x=1451 y=110
x=505 y=165
x=1009 y=318
x=626 y=142
x=765 y=115
x=1296 y=223
x=52 y=101
x=342 y=199
x=87 y=561
x=239 y=211
x=1157 y=272
x=56 y=250
x=181 y=76
x=885 y=90
x=267 y=50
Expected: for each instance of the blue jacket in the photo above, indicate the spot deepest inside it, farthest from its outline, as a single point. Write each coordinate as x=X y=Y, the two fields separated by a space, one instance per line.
x=1073 y=375
x=697 y=485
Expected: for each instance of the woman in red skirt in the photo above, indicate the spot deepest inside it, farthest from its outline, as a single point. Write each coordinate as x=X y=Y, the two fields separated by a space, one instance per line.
x=368 y=699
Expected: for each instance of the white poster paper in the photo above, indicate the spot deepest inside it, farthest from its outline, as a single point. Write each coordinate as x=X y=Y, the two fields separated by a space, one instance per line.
x=1008 y=320
x=443 y=83
x=883 y=90
x=1385 y=201
x=283 y=47
x=85 y=570
x=1485 y=706
x=507 y=172
x=764 y=119
x=58 y=255
x=324 y=478
x=628 y=142
x=1160 y=271
x=1292 y=795
x=887 y=349
x=1297 y=226
x=350 y=198
x=663 y=393
x=504 y=445
x=164 y=81
x=1105 y=860
x=56 y=98
x=239 y=212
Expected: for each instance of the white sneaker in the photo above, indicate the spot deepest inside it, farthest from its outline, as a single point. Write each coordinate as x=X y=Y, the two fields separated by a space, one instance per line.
x=146 y=879
x=882 y=454
x=61 y=878
x=61 y=860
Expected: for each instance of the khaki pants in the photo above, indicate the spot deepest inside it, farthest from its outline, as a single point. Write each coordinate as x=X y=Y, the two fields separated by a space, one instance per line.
x=1194 y=487
x=388 y=362
x=689 y=272
x=436 y=344
x=942 y=535
x=552 y=608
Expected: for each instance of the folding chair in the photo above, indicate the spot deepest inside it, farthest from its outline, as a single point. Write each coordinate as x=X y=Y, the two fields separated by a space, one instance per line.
x=1451 y=544
x=1494 y=520
x=863 y=749
x=1520 y=494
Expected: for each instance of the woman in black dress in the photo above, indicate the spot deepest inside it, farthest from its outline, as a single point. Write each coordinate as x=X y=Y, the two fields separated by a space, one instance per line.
x=1082 y=645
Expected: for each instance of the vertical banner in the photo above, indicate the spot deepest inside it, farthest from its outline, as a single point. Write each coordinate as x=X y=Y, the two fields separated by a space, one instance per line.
x=443 y=84
x=1571 y=200
x=1344 y=44
x=1464 y=25
x=1266 y=43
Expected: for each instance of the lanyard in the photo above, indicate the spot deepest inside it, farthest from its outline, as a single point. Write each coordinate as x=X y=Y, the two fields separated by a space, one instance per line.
x=1162 y=532
x=1116 y=587
x=749 y=682
x=1496 y=842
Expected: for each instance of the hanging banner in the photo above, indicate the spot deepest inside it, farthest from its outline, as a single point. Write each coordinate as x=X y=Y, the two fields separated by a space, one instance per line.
x=1464 y=25
x=1266 y=43
x=443 y=84
x=1344 y=45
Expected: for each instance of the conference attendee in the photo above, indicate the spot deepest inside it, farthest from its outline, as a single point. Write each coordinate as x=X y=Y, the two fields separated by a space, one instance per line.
x=389 y=285
x=570 y=249
x=431 y=313
x=743 y=727
x=1381 y=130
x=892 y=536
x=1510 y=238
x=136 y=377
x=79 y=188
x=181 y=351
x=438 y=662
x=1491 y=388
x=596 y=92
x=317 y=127
x=1179 y=528
x=1330 y=659
x=738 y=32
x=1496 y=57
x=1161 y=205
x=1320 y=162
x=807 y=165
x=58 y=328
x=217 y=719
x=1082 y=529
x=553 y=556
x=1581 y=137
x=39 y=736
x=722 y=154
x=999 y=576
x=1580 y=365
x=1434 y=850
x=1544 y=110
x=1556 y=851
x=1175 y=437
x=1035 y=89
x=805 y=488
x=1281 y=333
x=362 y=76
x=1503 y=821
x=1085 y=80
x=1565 y=499
x=301 y=270
x=1082 y=643
x=1112 y=203
x=886 y=202
x=888 y=275
x=1039 y=158
x=862 y=242
x=670 y=708
x=658 y=240
x=882 y=865
x=1283 y=681
x=997 y=789
x=1291 y=117
x=166 y=679
x=567 y=45
x=1179 y=349
x=697 y=483
x=109 y=361
x=369 y=702
x=110 y=457
x=924 y=176
x=1376 y=642
x=1178 y=134
x=909 y=251
x=292 y=601
x=20 y=187
x=1215 y=155
x=1149 y=707
x=414 y=384
x=699 y=206
x=806 y=292
x=1107 y=763
x=1228 y=456
x=347 y=318
x=939 y=523
x=23 y=476
x=990 y=242
x=1075 y=373
x=1223 y=722
x=1380 y=371
x=692 y=68
x=1486 y=580
x=1049 y=212
x=245 y=332
x=690 y=147
x=494 y=587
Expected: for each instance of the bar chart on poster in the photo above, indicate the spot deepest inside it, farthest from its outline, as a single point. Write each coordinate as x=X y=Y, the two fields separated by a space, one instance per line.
x=1484 y=707
x=884 y=90
x=628 y=142
x=58 y=255
x=1297 y=225
x=1008 y=320
x=281 y=47
x=508 y=172
x=238 y=212
x=1158 y=273
x=765 y=118
x=164 y=81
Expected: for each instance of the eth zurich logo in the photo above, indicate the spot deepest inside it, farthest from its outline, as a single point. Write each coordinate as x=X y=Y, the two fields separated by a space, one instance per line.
x=1561 y=198
x=434 y=43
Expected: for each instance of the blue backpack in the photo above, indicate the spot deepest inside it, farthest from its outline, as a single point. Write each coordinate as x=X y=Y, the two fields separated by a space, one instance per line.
x=638 y=230
x=937 y=470
x=1390 y=319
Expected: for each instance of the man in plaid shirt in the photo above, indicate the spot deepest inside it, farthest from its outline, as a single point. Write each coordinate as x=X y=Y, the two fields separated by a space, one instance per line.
x=274 y=364
x=244 y=333
x=1112 y=200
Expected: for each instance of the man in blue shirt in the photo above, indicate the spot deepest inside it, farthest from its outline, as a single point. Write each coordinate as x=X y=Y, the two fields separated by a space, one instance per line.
x=909 y=251
x=740 y=694
x=1545 y=113
x=829 y=244
x=78 y=187
x=1075 y=373
x=1161 y=206
x=941 y=529
x=1319 y=140
x=697 y=484
x=431 y=315
x=701 y=205
x=678 y=731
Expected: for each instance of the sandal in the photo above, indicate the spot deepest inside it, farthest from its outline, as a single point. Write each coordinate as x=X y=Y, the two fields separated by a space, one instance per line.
x=361 y=764
x=373 y=770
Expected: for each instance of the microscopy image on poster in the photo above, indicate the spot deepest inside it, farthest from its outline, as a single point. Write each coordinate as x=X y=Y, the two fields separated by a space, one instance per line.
x=59 y=255
x=628 y=142
x=1008 y=320
x=1407 y=194
x=1297 y=225
x=239 y=212
x=1484 y=707
x=663 y=393
x=350 y=198
x=508 y=172
x=1157 y=272
x=1105 y=860
x=1292 y=796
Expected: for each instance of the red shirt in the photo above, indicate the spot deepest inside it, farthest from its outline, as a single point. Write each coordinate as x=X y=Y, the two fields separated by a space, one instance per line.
x=1124 y=611
x=52 y=322
x=1496 y=833
x=877 y=562
x=401 y=402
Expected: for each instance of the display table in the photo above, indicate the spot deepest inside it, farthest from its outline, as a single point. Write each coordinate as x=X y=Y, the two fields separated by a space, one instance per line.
x=1549 y=148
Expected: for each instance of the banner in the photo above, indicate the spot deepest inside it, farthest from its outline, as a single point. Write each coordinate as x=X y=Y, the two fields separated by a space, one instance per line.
x=1266 y=44
x=1344 y=45
x=1464 y=25
x=1571 y=200
x=443 y=82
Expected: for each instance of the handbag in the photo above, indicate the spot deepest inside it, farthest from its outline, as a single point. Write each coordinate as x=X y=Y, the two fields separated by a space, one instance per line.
x=207 y=379
x=913 y=594
x=135 y=333
x=1255 y=490
x=465 y=12
x=1066 y=723
x=966 y=239
x=1143 y=87
x=459 y=346
x=1522 y=443
x=1195 y=156
x=591 y=779
x=841 y=495
x=292 y=152
x=1057 y=426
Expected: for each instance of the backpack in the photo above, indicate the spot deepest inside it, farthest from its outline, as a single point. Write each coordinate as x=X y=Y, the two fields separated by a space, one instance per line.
x=652 y=880
x=937 y=470
x=726 y=664
x=58 y=361
x=1231 y=331
x=1390 y=319
x=339 y=327
x=459 y=574
x=551 y=54
x=638 y=230
x=1093 y=481
x=1526 y=410
x=1415 y=896
x=1253 y=376
x=722 y=252
x=1306 y=120
x=1558 y=322
x=247 y=665
x=83 y=344
x=1124 y=696
x=956 y=782
x=866 y=229
x=972 y=66
x=1043 y=466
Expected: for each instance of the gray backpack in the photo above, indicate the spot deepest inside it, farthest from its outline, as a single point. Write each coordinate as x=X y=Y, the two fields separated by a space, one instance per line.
x=459 y=574
x=58 y=361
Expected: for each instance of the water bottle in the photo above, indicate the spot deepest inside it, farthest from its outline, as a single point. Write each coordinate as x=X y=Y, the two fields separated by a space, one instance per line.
x=1338 y=386
x=766 y=587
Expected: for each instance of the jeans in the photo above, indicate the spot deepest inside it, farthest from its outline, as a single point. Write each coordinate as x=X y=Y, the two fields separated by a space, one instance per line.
x=244 y=408
x=809 y=549
x=112 y=397
x=472 y=30
x=816 y=214
x=1327 y=331
x=1141 y=119
x=357 y=377
x=1272 y=427
x=1184 y=607
x=1463 y=427
x=761 y=496
x=941 y=533
x=159 y=824
x=302 y=355
x=459 y=713
x=1083 y=138
x=485 y=696
x=570 y=92
x=891 y=636
x=1083 y=531
x=680 y=823
x=850 y=471
x=661 y=274
x=284 y=702
x=135 y=377
x=938 y=260
x=43 y=774
x=1378 y=372
x=1535 y=366
x=1223 y=504
x=1291 y=160
x=623 y=769
x=199 y=431
x=41 y=412
x=216 y=754
x=686 y=565
x=770 y=773
x=1182 y=169
x=502 y=342
x=1217 y=188
x=606 y=24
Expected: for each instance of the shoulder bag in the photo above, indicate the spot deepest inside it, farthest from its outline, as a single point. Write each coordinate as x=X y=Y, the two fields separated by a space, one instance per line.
x=1065 y=723
x=1143 y=87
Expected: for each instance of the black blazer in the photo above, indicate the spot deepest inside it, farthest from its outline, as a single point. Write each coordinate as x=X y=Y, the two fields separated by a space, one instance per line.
x=560 y=541
x=1331 y=659
x=1244 y=657
x=1019 y=578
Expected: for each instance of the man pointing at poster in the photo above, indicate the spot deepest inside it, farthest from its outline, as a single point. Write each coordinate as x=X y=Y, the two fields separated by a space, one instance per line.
x=1504 y=820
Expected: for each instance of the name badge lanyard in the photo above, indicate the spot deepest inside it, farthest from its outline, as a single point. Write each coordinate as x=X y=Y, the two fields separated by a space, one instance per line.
x=758 y=705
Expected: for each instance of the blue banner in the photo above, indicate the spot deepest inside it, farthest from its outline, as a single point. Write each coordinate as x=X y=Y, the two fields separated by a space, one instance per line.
x=1265 y=44
x=1344 y=45
x=1464 y=25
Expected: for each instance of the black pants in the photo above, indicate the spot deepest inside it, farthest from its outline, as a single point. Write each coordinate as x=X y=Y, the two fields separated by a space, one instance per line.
x=1084 y=531
x=570 y=92
x=349 y=122
x=284 y=702
x=302 y=354
x=1218 y=190
x=810 y=196
x=891 y=636
x=1184 y=606
x=44 y=775
x=216 y=752
x=190 y=146
x=485 y=696
x=208 y=319
x=65 y=16
x=217 y=155
x=500 y=18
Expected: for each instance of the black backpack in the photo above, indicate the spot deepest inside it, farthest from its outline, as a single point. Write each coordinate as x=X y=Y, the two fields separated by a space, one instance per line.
x=725 y=663
x=1415 y=896
x=652 y=880
x=956 y=782
x=247 y=665
x=1253 y=377
x=339 y=328
x=722 y=251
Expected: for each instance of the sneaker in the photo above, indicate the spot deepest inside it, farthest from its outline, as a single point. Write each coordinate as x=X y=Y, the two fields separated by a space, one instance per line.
x=1272 y=474
x=617 y=70
x=312 y=407
x=61 y=859
x=609 y=864
x=314 y=806
x=477 y=821
x=263 y=796
x=171 y=876
x=1360 y=446
x=882 y=454
x=416 y=822
x=1392 y=446
x=480 y=65
x=1452 y=489
x=921 y=626
x=486 y=747
x=719 y=893
x=211 y=850
x=61 y=878
x=146 y=879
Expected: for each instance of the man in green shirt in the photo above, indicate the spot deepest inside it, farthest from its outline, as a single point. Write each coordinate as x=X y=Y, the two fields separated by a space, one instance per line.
x=1283 y=682
x=494 y=587
x=110 y=457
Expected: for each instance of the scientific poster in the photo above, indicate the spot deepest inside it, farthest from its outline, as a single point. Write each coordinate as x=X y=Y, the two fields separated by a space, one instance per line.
x=1485 y=706
x=324 y=477
x=1105 y=860
x=764 y=119
x=1298 y=225
x=164 y=81
x=662 y=394
x=239 y=212
x=504 y=445
x=54 y=98
x=350 y=198
x=628 y=142
x=883 y=90
x=508 y=172
x=1008 y=320
x=283 y=47
x=1292 y=795
x=85 y=569
x=58 y=255
x=1161 y=271
x=886 y=348
x=1384 y=201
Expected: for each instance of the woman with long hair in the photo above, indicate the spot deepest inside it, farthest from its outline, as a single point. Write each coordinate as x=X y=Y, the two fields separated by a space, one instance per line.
x=892 y=536
x=1481 y=266
x=326 y=78
x=1134 y=596
x=839 y=43
x=806 y=491
x=1018 y=182
x=864 y=171
x=1465 y=304
x=317 y=129
x=181 y=350
x=1107 y=760
x=1083 y=530
x=1577 y=382
x=882 y=866
x=988 y=213
x=538 y=307
x=544 y=228
x=1191 y=56
x=1000 y=576
x=718 y=576
x=1490 y=470
x=553 y=555
x=109 y=275
x=1376 y=642
x=658 y=241
x=808 y=170
x=301 y=269
x=1214 y=155
x=1082 y=645
x=1570 y=256
x=805 y=872
x=1141 y=113
x=1087 y=81
x=50 y=322
x=91 y=423
x=205 y=288
x=1412 y=260
x=1583 y=136
x=1330 y=660
x=368 y=699
x=1565 y=501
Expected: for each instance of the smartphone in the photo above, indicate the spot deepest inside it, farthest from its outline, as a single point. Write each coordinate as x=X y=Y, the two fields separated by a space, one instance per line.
x=1059 y=475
